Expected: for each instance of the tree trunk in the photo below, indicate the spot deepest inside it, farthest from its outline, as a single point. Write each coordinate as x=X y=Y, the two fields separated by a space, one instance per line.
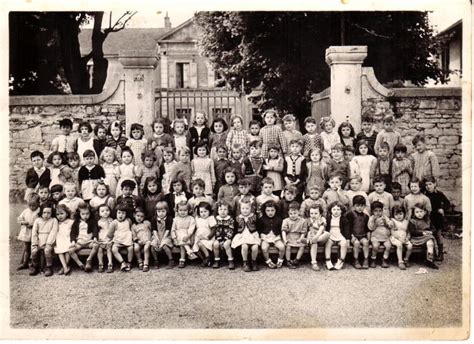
x=100 y=63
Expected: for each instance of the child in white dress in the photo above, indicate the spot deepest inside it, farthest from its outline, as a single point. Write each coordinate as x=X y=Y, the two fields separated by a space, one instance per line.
x=137 y=143
x=109 y=163
x=63 y=238
x=202 y=167
x=56 y=162
x=205 y=228
x=141 y=236
x=126 y=171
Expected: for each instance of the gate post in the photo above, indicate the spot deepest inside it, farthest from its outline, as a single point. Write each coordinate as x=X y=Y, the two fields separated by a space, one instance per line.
x=346 y=85
x=139 y=87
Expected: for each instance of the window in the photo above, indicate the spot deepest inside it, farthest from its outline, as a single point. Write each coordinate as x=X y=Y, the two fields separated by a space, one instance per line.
x=184 y=112
x=445 y=60
x=221 y=112
x=182 y=75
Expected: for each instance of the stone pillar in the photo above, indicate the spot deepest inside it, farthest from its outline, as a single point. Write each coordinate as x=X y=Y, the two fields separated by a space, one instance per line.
x=346 y=85
x=139 y=87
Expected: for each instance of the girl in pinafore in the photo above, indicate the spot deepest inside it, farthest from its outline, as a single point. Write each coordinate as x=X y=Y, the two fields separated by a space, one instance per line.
x=109 y=164
x=294 y=229
x=161 y=239
x=103 y=226
x=338 y=234
x=365 y=164
x=126 y=171
x=272 y=134
x=205 y=228
x=247 y=236
x=203 y=167
x=89 y=175
x=182 y=232
x=199 y=132
x=85 y=141
x=55 y=160
x=26 y=221
x=137 y=143
x=63 y=237
x=218 y=136
x=141 y=236
x=273 y=168
x=317 y=170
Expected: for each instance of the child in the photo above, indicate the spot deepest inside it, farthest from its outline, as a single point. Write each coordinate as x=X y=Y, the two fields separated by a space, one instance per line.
x=182 y=232
x=197 y=188
x=199 y=132
x=244 y=196
x=346 y=134
x=180 y=136
x=137 y=143
x=66 y=176
x=56 y=194
x=55 y=161
x=228 y=191
x=354 y=190
x=414 y=197
x=421 y=231
x=273 y=167
x=109 y=165
x=314 y=198
x=44 y=195
x=101 y=139
x=267 y=194
x=26 y=220
x=311 y=140
x=147 y=169
x=439 y=205
x=221 y=164
x=181 y=168
x=398 y=200
x=63 y=238
x=64 y=143
x=317 y=170
x=224 y=234
x=84 y=234
x=425 y=162
x=329 y=137
x=388 y=135
x=380 y=195
x=289 y=196
x=337 y=164
x=400 y=237
x=85 y=141
x=165 y=170
x=89 y=175
x=295 y=169
x=161 y=240
x=380 y=226
x=159 y=140
x=43 y=234
x=357 y=221
x=290 y=133
x=177 y=194
x=202 y=167
x=236 y=161
x=252 y=167
x=247 y=236
x=269 y=226
x=71 y=200
x=317 y=234
x=120 y=236
x=205 y=228
x=365 y=165
x=101 y=197
x=103 y=226
x=151 y=196
x=237 y=136
x=127 y=199
x=141 y=236
x=367 y=134
x=402 y=170
x=218 y=136
x=254 y=131
x=116 y=140
x=294 y=230
x=73 y=160
x=36 y=176
x=271 y=134
x=335 y=193
x=338 y=234
x=126 y=171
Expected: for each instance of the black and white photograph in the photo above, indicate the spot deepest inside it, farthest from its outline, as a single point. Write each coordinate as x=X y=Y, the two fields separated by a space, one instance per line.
x=272 y=172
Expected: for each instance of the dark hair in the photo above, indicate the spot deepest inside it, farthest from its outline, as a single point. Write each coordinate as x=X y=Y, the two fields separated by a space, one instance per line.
x=230 y=169
x=56 y=188
x=430 y=179
x=88 y=153
x=244 y=181
x=52 y=155
x=397 y=210
x=136 y=126
x=379 y=179
x=253 y=122
x=294 y=206
x=314 y=206
x=362 y=143
x=115 y=124
x=348 y=149
x=178 y=179
x=85 y=125
x=148 y=154
x=384 y=145
x=268 y=204
x=198 y=181
x=65 y=123
x=126 y=149
x=358 y=200
x=309 y=119
x=128 y=183
x=415 y=180
x=33 y=197
x=221 y=120
x=73 y=156
x=91 y=222
x=388 y=119
x=400 y=147
x=256 y=144
x=418 y=138
x=148 y=180
x=376 y=205
x=346 y=125
x=35 y=154
x=204 y=205
x=45 y=205
x=396 y=186
x=101 y=206
x=122 y=207
x=336 y=204
x=97 y=127
x=367 y=117
x=64 y=208
x=201 y=144
x=222 y=147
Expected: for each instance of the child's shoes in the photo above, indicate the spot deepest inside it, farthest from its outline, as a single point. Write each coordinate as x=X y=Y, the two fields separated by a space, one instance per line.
x=402 y=266
x=407 y=264
x=329 y=265
x=123 y=266
x=48 y=271
x=270 y=264
x=253 y=265
x=110 y=268
x=290 y=265
x=61 y=272
x=431 y=264
x=146 y=268
x=384 y=263
x=34 y=271
x=372 y=263
x=315 y=266
x=296 y=262
x=357 y=264
x=231 y=264
x=100 y=269
x=279 y=263
x=365 y=264
x=205 y=262
x=22 y=267
x=339 y=264
x=140 y=265
x=246 y=267
x=181 y=264
x=216 y=264
x=192 y=256
x=171 y=264
x=67 y=271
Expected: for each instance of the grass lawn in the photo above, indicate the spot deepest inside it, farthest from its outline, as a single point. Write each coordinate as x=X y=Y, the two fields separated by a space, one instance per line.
x=195 y=297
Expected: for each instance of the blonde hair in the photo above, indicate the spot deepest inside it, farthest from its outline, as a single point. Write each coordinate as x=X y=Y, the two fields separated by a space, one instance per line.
x=108 y=150
x=234 y=117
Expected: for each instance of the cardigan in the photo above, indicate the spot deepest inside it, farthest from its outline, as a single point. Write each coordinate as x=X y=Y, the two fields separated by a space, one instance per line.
x=250 y=222
x=266 y=225
x=170 y=199
x=91 y=228
x=194 y=137
x=32 y=179
x=357 y=223
x=97 y=172
x=343 y=224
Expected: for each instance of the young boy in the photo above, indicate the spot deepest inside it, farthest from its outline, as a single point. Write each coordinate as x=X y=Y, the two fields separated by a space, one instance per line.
x=127 y=200
x=74 y=162
x=381 y=196
x=220 y=165
x=295 y=169
x=383 y=167
x=236 y=161
x=355 y=184
x=388 y=135
x=254 y=130
x=44 y=195
x=56 y=194
x=402 y=170
x=36 y=176
x=357 y=221
x=335 y=193
x=337 y=164
x=244 y=197
x=64 y=143
x=425 y=162
x=398 y=200
x=314 y=199
x=380 y=226
x=267 y=194
x=290 y=133
x=368 y=133
x=289 y=196
x=252 y=167
x=311 y=139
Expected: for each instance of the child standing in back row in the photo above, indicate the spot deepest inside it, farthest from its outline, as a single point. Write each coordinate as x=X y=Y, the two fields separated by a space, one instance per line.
x=271 y=134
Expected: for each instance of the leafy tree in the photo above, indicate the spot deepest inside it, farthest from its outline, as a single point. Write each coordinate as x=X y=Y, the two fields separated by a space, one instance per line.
x=283 y=53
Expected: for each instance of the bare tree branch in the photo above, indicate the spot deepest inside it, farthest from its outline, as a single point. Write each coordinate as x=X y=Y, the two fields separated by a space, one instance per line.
x=119 y=24
x=370 y=32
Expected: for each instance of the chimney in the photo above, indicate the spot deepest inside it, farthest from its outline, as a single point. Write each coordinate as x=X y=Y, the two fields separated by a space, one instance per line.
x=167 y=21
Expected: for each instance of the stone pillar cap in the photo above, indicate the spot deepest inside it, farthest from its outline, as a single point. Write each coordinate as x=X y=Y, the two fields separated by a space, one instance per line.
x=138 y=58
x=346 y=54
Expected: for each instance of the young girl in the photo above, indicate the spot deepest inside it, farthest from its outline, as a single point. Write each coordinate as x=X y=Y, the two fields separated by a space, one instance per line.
x=43 y=234
x=177 y=194
x=73 y=160
x=421 y=231
x=400 y=237
x=290 y=133
x=101 y=197
x=85 y=141
x=103 y=226
x=271 y=134
x=116 y=140
x=160 y=139
x=247 y=236
x=228 y=191
x=89 y=175
x=120 y=236
x=100 y=141
x=218 y=136
x=346 y=133
x=220 y=166
x=338 y=234
x=199 y=132
x=317 y=234
x=317 y=170
x=84 y=234
x=63 y=238
x=161 y=239
x=137 y=143
x=180 y=137
x=151 y=196
x=294 y=229
x=165 y=170
x=141 y=236
x=224 y=234
x=55 y=160
x=269 y=226
x=147 y=169
x=415 y=197
x=71 y=200
x=354 y=190
x=197 y=188
x=237 y=136
x=329 y=137
x=364 y=165
x=182 y=232
x=205 y=228
x=203 y=167
x=182 y=168
x=273 y=166
x=126 y=171
x=402 y=170
x=26 y=220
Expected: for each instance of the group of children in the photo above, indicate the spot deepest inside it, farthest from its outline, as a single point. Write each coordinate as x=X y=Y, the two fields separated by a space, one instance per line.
x=213 y=189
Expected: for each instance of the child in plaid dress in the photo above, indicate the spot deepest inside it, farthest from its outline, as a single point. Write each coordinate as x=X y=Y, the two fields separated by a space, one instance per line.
x=271 y=134
x=311 y=140
x=237 y=136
